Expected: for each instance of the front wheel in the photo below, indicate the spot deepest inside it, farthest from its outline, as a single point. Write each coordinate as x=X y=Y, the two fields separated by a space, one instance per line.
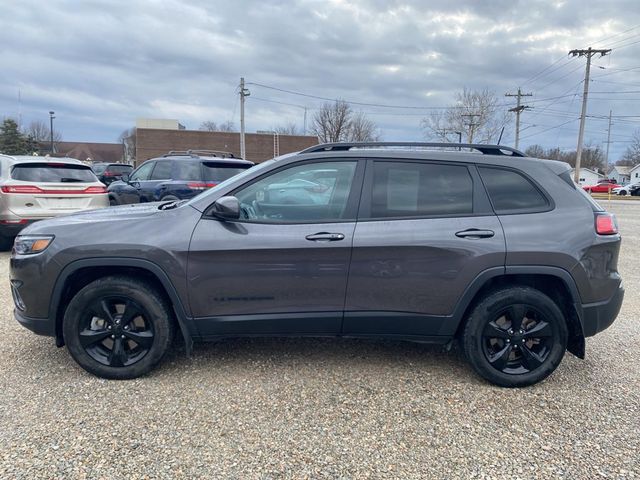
x=515 y=337
x=118 y=327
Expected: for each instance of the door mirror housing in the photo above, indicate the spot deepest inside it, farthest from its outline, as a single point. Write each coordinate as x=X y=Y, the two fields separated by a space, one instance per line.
x=226 y=208
x=125 y=177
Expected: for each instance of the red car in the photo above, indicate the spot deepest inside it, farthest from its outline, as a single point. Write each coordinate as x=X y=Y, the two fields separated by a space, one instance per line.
x=603 y=187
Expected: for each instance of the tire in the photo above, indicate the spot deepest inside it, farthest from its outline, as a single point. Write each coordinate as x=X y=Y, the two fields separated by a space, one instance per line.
x=113 y=202
x=169 y=198
x=112 y=307
x=622 y=193
x=505 y=350
x=6 y=243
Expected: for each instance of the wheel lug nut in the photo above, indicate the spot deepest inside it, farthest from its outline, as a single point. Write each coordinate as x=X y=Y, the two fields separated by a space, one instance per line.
x=122 y=336
x=108 y=327
x=508 y=341
x=113 y=336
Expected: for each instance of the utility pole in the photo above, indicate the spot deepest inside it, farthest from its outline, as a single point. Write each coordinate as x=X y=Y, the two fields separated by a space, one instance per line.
x=608 y=138
x=518 y=109
x=244 y=92
x=51 y=117
x=304 y=131
x=590 y=52
x=471 y=124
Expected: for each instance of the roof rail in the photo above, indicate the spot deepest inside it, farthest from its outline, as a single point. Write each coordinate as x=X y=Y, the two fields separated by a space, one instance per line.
x=482 y=148
x=195 y=153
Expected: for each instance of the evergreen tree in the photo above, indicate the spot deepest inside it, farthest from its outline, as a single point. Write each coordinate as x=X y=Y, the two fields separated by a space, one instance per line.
x=12 y=142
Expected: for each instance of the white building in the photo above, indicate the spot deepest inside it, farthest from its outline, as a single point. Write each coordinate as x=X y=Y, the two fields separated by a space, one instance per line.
x=588 y=177
x=634 y=174
x=619 y=174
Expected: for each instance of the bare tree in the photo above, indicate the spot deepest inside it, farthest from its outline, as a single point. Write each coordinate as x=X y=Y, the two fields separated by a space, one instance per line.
x=631 y=155
x=592 y=157
x=128 y=140
x=40 y=132
x=337 y=122
x=361 y=129
x=287 y=129
x=211 y=126
x=476 y=113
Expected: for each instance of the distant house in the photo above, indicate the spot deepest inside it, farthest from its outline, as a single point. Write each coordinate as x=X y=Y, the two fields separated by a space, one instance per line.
x=619 y=174
x=634 y=174
x=91 y=152
x=588 y=177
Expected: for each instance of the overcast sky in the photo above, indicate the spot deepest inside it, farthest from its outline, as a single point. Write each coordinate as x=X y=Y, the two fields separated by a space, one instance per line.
x=101 y=64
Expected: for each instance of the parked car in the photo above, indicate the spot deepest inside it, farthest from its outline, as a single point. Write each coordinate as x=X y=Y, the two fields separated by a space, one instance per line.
x=515 y=263
x=634 y=190
x=601 y=187
x=108 y=173
x=176 y=176
x=624 y=189
x=33 y=188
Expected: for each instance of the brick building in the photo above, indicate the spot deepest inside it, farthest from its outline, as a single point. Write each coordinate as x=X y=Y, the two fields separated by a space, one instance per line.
x=91 y=151
x=153 y=142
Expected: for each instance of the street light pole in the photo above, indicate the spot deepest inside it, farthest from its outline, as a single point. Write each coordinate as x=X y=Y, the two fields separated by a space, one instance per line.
x=51 y=117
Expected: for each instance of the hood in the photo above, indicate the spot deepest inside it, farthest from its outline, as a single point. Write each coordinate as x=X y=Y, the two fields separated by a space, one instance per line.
x=110 y=214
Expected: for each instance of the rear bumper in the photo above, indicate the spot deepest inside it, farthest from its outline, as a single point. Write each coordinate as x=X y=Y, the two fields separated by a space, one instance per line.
x=10 y=230
x=599 y=316
x=40 y=326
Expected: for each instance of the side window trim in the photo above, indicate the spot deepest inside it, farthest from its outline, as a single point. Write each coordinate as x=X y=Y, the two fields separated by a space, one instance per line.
x=353 y=200
x=364 y=214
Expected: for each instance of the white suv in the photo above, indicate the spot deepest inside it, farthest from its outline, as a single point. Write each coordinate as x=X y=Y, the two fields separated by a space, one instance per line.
x=34 y=188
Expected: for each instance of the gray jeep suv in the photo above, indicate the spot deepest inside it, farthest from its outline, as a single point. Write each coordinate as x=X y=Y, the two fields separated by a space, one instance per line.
x=487 y=247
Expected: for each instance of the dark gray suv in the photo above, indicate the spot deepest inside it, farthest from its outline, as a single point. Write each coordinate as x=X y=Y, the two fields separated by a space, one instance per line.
x=498 y=251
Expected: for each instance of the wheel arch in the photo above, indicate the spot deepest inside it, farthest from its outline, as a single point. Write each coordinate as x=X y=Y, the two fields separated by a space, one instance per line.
x=81 y=272
x=554 y=282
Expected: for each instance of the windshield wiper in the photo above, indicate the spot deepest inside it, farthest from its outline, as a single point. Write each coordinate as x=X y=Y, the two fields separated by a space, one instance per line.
x=171 y=205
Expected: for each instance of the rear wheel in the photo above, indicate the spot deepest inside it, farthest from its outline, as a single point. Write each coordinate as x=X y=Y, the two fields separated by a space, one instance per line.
x=515 y=337
x=118 y=327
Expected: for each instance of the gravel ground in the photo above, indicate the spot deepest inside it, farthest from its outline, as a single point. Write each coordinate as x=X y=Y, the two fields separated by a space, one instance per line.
x=282 y=408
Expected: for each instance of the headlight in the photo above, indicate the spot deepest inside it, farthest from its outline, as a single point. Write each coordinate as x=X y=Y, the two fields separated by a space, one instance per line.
x=31 y=244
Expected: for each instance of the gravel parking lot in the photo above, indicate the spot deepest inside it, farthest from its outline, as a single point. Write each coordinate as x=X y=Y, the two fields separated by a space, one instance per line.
x=324 y=408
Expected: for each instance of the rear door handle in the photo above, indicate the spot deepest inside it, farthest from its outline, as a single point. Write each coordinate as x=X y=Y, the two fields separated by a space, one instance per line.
x=325 y=237
x=475 y=233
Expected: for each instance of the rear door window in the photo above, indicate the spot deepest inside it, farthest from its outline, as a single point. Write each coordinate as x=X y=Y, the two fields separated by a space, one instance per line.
x=215 y=172
x=419 y=189
x=512 y=192
x=188 y=170
x=52 y=173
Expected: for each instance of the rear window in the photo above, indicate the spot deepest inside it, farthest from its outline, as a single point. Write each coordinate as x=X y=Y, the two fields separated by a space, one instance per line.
x=52 y=173
x=98 y=169
x=512 y=192
x=120 y=169
x=219 y=173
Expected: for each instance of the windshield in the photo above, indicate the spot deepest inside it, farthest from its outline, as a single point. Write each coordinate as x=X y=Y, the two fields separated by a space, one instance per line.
x=255 y=169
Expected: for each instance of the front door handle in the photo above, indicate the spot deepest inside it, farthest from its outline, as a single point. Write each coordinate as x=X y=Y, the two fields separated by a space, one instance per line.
x=325 y=237
x=475 y=233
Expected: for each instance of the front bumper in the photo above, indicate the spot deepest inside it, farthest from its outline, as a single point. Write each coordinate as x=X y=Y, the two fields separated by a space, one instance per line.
x=599 y=316
x=40 y=326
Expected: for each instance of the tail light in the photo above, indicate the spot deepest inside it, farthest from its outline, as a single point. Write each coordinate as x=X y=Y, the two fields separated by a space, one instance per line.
x=14 y=222
x=200 y=185
x=32 y=189
x=108 y=174
x=606 y=224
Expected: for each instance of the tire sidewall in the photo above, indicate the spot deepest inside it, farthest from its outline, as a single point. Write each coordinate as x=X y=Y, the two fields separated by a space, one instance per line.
x=488 y=309
x=139 y=292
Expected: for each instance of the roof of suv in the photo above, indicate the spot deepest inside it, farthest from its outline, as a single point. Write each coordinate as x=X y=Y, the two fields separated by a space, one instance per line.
x=485 y=154
x=34 y=158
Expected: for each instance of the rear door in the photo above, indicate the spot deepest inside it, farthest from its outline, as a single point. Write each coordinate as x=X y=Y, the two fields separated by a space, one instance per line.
x=425 y=231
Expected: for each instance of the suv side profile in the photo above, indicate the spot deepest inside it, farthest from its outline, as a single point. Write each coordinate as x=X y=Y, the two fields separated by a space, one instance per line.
x=176 y=176
x=497 y=251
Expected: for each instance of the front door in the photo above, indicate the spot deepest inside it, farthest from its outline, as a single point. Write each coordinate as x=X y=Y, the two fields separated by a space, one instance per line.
x=425 y=231
x=282 y=268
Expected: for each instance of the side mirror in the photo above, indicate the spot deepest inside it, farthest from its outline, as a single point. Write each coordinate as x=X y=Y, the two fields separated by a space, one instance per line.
x=125 y=177
x=226 y=208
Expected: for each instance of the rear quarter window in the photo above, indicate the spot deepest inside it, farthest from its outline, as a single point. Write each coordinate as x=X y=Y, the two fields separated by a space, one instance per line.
x=48 y=173
x=512 y=192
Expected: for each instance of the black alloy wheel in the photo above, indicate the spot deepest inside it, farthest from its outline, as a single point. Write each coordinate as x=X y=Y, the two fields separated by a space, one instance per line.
x=518 y=340
x=515 y=337
x=116 y=331
x=118 y=327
